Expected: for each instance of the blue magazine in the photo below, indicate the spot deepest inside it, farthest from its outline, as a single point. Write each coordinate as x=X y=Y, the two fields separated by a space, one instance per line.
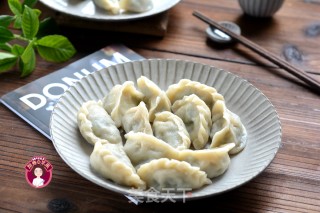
x=34 y=102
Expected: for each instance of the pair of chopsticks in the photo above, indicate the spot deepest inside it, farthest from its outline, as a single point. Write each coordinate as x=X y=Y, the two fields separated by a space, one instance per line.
x=302 y=75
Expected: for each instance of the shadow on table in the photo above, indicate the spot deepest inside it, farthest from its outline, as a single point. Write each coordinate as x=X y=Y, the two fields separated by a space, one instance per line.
x=232 y=201
x=251 y=26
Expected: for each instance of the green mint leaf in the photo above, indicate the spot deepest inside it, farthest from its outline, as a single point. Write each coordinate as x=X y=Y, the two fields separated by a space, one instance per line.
x=5 y=35
x=5 y=20
x=7 y=61
x=27 y=61
x=17 y=50
x=17 y=22
x=48 y=26
x=29 y=3
x=30 y=22
x=37 y=12
x=55 y=48
x=5 y=47
x=15 y=7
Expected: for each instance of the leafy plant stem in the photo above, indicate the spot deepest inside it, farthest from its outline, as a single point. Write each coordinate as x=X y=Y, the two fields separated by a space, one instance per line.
x=16 y=36
x=33 y=36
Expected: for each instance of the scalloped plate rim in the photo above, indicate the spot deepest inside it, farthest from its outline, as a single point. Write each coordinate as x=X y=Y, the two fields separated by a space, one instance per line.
x=176 y=196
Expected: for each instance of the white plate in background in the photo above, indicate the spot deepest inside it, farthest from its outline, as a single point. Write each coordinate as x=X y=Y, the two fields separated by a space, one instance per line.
x=87 y=9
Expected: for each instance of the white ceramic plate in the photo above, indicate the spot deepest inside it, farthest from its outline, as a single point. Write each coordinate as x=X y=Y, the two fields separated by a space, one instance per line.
x=87 y=9
x=255 y=110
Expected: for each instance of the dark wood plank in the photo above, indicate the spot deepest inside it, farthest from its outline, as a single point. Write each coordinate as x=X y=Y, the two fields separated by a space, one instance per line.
x=289 y=184
x=298 y=48
x=284 y=34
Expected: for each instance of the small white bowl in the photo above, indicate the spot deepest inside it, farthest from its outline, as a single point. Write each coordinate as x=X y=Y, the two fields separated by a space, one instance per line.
x=260 y=8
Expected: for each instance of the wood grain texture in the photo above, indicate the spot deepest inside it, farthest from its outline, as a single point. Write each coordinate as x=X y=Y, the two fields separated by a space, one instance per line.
x=274 y=33
x=291 y=182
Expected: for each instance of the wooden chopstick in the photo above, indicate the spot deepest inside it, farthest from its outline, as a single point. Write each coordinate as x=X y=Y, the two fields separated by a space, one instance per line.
x=302 y=75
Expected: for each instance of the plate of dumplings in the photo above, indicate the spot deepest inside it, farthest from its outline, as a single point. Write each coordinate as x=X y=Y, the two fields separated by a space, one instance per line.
x=111 y=10
x=164 y=124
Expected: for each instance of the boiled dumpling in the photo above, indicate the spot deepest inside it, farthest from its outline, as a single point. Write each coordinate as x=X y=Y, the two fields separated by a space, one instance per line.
x=163 y=160
x=187 y=87
x=112 y=163
x=196 y=116
x=136 y=5
x=95 y=124
x=227 y=128
x=120 y=99
x=212 y=161
x=109 y=5
x=142 y=148
x=154 y=97
x=136 y=119
x=163 y=173
x=171 y=129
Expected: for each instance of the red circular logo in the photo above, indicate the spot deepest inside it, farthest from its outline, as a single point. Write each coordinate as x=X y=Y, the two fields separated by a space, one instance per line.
x=38 y=172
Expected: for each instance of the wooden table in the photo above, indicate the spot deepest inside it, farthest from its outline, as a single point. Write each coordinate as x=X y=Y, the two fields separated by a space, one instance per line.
x=290 y=184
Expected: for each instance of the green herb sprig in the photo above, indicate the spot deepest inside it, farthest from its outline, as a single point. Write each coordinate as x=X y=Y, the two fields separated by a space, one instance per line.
x=53 y=48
